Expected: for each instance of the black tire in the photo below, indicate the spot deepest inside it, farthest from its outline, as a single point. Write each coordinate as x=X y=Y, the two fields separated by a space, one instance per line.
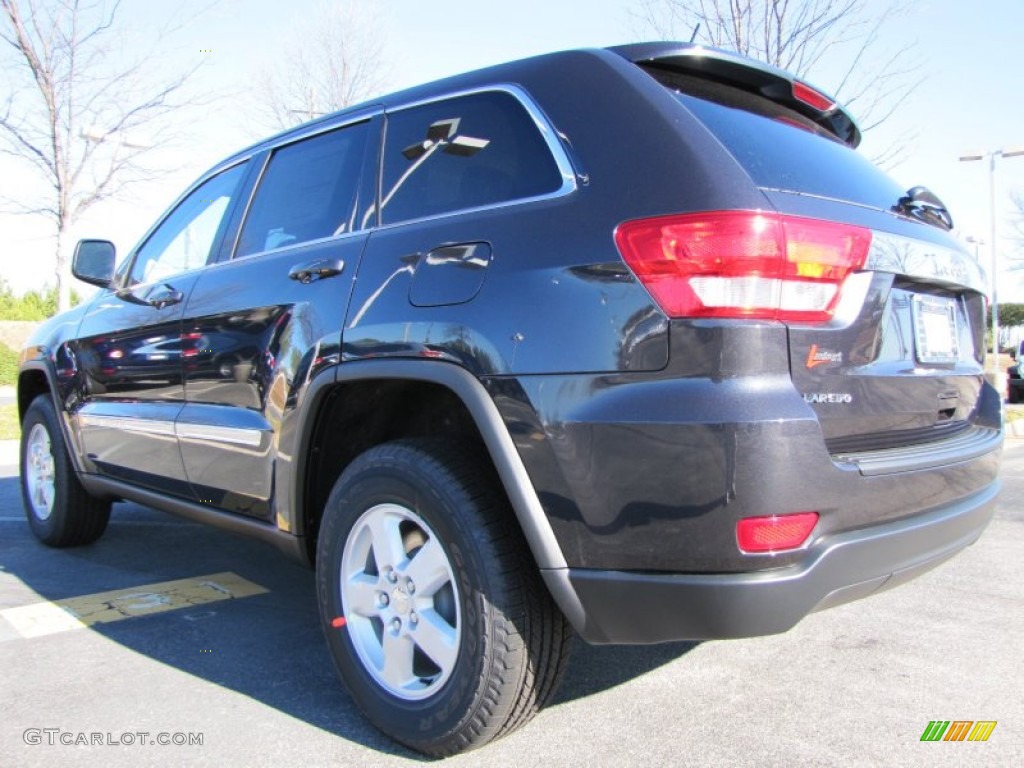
x=1012 y=394
x=60 y=511
x=511 y=642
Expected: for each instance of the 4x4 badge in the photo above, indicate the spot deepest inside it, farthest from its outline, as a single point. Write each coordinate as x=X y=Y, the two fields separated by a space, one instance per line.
x=816 y=357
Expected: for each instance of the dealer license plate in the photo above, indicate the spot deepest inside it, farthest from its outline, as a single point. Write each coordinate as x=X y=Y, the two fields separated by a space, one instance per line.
x=935 y=330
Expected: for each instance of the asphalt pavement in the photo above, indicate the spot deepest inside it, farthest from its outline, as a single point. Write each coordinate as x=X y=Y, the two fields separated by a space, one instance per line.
x=247 y=673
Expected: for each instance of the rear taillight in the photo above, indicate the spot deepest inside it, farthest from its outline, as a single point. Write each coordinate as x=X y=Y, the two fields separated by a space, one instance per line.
x=776 y=533
x=743 y=264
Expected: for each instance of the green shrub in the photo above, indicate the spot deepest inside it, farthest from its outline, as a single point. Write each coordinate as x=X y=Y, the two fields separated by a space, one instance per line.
x=8 y=366
x=34 y=305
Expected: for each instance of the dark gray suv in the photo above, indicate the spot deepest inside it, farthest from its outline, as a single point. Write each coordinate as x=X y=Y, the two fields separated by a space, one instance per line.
x=627 y=341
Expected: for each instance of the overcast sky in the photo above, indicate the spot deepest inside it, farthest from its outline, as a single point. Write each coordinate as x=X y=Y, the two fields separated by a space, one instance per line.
x=970 y=100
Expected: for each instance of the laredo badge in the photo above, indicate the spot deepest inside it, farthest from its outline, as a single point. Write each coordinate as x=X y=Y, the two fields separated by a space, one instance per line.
x=833 y=398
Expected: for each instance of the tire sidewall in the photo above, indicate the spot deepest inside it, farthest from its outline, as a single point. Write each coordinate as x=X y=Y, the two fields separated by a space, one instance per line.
x=417 y=722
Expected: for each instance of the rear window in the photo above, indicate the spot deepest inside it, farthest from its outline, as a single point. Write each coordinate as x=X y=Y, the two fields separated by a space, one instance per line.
x=782 y=149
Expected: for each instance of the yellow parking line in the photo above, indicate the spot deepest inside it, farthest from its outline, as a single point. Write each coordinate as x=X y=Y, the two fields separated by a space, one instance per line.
x=49 y=618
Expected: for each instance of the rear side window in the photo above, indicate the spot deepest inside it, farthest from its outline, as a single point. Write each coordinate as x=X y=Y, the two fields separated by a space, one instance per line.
x=308 y=191
x=782 y=149
x=461 y=153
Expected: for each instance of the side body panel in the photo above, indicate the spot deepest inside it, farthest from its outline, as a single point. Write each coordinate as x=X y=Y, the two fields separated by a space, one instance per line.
x=259 y=338
x=129 y=357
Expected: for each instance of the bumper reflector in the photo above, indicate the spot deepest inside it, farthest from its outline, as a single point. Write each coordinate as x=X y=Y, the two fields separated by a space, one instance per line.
x=775 y=533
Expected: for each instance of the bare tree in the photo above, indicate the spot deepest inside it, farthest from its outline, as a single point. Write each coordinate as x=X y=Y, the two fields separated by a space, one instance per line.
x=1017 y=223
x=807 y=37
x=332 y=59
x=75 y=112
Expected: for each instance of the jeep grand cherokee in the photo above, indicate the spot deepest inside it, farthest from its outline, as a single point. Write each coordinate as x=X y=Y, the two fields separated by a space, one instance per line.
x=631 y=341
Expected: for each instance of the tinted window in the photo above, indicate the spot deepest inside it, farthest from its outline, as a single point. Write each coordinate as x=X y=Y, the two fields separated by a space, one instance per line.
x=463 y=153
x=185 y=239
x=781 y=149
x=307 y=192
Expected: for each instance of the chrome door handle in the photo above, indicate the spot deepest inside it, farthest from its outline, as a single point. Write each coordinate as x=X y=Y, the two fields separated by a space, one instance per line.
x=316 y=270
x=165 y=298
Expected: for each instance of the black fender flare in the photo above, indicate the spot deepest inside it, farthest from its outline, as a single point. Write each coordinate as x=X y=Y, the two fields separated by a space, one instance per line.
x=44 y=366
x=521 y=494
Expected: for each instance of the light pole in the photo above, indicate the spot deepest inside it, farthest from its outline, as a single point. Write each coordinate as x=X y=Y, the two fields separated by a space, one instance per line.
x=1010 y=152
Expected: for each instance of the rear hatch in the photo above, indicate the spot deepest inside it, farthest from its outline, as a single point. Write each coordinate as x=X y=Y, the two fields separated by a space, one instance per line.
x=890 y=355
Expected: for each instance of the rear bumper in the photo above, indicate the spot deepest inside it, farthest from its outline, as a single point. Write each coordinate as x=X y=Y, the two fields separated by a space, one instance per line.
x=625 y=607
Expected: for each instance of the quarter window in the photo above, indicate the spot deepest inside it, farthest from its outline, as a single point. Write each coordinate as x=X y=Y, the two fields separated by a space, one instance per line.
x=186 y=238
x=308 y=191
x=463 y=153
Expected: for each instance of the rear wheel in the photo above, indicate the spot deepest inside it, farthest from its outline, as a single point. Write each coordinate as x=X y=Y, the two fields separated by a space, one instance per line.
x=60 y=511
x=432 y=606
x=1012 y=393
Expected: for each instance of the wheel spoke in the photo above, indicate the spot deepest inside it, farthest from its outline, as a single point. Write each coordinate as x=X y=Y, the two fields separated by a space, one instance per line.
x=436 y=638
x=428 y=569
x=398 y=651
x=387 y=540
x=361 y=595
x=392 y=601
x=39 y=472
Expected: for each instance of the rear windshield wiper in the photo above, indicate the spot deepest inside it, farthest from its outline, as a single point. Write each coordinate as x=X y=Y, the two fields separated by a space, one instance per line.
x=924 y=205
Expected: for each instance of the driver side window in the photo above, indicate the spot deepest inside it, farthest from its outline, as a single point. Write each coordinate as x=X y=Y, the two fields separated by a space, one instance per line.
x=185 y=239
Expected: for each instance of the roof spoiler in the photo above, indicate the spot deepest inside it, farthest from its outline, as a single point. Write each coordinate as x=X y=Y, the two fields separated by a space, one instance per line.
x=748 y=74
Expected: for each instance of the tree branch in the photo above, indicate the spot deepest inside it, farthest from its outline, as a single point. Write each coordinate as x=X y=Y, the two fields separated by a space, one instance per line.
x=804 y=36
x=333 y=59
x=63 y=83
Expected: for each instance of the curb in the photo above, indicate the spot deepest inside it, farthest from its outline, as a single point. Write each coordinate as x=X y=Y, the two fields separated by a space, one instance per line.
x=9 y=450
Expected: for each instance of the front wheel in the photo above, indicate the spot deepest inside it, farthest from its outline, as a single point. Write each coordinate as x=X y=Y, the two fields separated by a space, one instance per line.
x=60 y=511
x=432 y=606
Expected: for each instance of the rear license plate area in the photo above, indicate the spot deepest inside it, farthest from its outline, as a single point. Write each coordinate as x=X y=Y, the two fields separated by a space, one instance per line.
x=936 y=336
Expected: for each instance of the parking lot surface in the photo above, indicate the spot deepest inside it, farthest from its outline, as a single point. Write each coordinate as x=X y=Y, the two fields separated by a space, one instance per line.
x=200 y=636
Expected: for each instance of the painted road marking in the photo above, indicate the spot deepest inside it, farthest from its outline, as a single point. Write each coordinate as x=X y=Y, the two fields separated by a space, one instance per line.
x=40 y=619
